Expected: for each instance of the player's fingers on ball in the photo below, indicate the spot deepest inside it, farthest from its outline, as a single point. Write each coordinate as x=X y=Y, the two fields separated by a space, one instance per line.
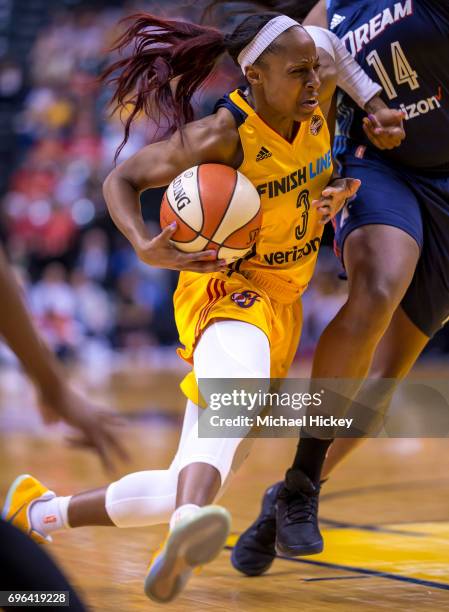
x=211 y=257
x=203 y=256
x=186 y=259
x=167 y=233
x=212 y=266
x=204 y=266
x=169 y=230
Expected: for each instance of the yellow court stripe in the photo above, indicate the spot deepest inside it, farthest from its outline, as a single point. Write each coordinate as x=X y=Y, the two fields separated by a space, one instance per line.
x=232 y=539
x=422 y=558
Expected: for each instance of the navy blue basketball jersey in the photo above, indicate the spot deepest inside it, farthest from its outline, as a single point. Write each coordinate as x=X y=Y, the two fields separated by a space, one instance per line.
x=404 y=46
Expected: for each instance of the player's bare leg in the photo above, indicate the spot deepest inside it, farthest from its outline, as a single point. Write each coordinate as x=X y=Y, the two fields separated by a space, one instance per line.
x=89 y=508
x=378 y=280
x=396 y=354
x=198 y=484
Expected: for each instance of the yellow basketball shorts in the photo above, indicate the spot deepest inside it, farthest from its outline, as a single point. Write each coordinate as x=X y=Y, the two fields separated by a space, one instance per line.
x=200 y=298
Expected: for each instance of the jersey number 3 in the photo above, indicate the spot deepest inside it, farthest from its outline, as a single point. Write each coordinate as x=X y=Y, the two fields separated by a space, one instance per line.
x=303 y=204
x=403 y=72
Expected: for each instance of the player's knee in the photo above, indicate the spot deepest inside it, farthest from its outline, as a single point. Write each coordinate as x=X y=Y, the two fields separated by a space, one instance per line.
x=232 y=349
x=369 y=316
x=373 y=303
x=381 y=299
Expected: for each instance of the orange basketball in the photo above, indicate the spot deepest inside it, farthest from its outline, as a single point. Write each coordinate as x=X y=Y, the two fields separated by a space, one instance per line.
x=215 y=207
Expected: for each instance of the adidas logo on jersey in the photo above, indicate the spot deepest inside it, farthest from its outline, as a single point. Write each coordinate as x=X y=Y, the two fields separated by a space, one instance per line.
x=263 y=154
x=336 y=20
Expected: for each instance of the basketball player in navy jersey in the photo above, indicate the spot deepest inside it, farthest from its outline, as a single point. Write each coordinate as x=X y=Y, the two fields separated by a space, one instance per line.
x=393 y=239
x=399 y=240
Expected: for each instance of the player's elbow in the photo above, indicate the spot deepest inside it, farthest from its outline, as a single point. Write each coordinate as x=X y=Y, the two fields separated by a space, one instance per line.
x=116 y=183
x=109 y=186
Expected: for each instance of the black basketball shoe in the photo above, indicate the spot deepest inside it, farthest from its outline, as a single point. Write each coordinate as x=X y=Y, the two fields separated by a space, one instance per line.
x=254 y=551
x=297 y=531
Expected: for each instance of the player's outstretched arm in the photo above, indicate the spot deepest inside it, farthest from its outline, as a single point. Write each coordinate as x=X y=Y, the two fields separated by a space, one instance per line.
x=211 y=140
x=384 y=125
x=58 y=400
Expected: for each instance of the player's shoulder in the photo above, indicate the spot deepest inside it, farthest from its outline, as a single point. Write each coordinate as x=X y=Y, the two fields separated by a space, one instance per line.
x=220 y=124
x=217 y=135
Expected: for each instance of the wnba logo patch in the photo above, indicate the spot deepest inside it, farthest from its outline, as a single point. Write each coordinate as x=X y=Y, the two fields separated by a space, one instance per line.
x=49 y=519
x=316 y=123
x=245 y=299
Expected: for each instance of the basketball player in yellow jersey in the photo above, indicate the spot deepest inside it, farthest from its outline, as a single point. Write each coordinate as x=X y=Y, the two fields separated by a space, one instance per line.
x=241 y=322
x=264 y=288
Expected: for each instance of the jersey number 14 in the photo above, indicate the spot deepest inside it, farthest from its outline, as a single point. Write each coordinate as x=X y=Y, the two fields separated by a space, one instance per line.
x=403 y=72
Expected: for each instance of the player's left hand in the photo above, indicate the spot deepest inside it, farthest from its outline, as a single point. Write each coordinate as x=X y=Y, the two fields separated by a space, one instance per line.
x=385 y=128
x=94 y=429
x=334 y=196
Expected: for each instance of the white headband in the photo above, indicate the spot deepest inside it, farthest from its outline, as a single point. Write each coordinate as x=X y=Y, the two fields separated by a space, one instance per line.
x=263 y=39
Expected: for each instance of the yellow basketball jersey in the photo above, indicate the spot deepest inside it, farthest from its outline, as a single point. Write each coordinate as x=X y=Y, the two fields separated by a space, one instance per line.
x=288 y=177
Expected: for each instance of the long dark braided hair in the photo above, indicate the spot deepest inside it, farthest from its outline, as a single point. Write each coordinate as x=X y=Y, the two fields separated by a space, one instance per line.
x=168 y=62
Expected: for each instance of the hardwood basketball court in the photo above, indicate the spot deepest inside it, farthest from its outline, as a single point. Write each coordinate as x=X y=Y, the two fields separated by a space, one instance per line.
x=384 y=515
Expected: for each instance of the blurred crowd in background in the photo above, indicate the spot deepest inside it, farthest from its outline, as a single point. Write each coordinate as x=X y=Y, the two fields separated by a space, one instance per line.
x=90 y=295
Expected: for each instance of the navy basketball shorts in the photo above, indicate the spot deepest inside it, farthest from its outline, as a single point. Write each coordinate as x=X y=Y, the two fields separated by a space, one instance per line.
x=416 y=204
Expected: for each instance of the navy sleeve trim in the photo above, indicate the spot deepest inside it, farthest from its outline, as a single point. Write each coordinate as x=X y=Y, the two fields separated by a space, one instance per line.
x=238 y=114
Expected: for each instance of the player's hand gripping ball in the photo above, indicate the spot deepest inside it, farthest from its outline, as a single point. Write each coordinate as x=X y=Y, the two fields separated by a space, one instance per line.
x=215 y=208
